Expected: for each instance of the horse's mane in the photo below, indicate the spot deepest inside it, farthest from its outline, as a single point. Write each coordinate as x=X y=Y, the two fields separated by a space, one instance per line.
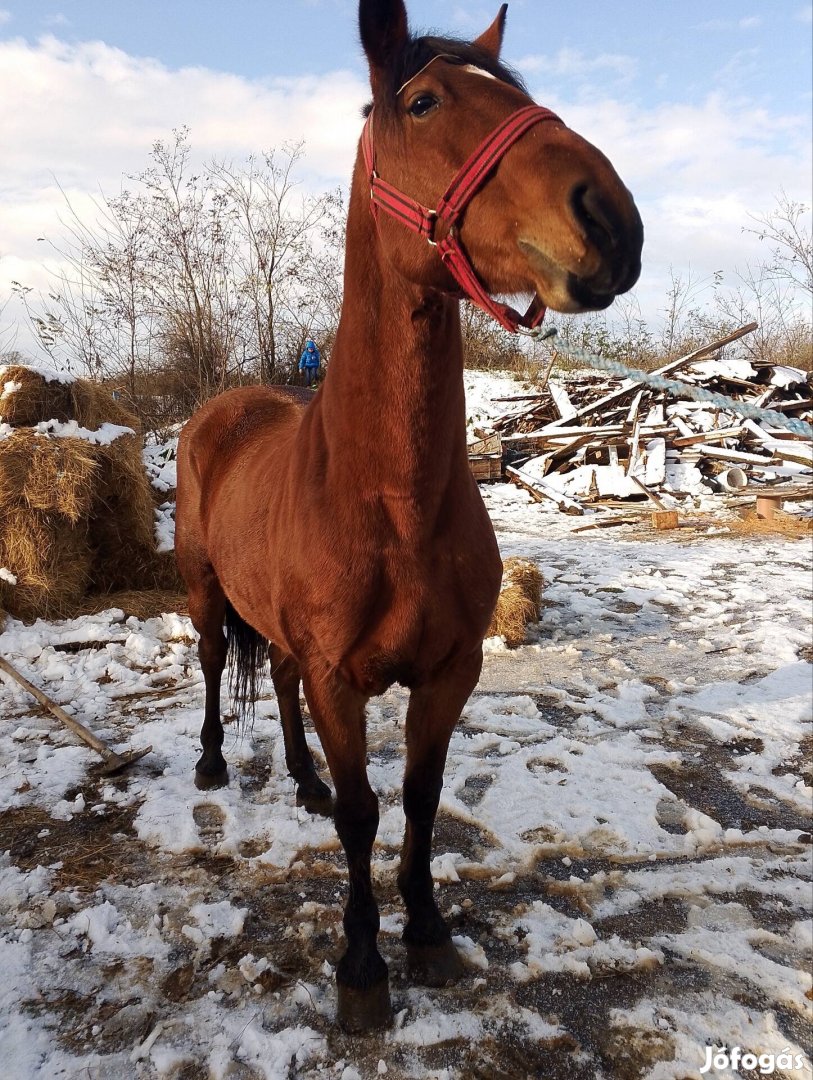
x=417 y=53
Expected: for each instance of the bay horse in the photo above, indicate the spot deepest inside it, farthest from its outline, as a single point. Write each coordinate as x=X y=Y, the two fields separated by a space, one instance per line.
x=341 y=534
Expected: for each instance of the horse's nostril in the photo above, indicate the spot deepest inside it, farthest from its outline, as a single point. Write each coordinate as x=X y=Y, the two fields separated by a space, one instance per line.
x=592 y=217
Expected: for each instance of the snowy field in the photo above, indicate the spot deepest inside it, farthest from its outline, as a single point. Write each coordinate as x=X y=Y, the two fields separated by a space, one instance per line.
x=623 y=847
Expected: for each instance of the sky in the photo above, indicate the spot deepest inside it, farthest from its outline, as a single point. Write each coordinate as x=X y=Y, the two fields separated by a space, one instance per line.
x=704 y=107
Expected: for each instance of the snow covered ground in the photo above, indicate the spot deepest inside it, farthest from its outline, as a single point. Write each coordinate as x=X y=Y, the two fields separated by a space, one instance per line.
x=623 y=846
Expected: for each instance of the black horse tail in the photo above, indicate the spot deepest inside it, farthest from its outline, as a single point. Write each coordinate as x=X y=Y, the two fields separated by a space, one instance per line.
x=247 y=654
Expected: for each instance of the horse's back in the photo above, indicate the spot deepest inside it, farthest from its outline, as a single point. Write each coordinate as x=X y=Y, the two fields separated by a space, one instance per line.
x=224 y=430
x=218 y=428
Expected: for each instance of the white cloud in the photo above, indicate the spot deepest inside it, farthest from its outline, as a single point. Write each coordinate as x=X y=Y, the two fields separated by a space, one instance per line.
x=5 y=16
x=574 y=64
x=87 y=114
x=750 y=22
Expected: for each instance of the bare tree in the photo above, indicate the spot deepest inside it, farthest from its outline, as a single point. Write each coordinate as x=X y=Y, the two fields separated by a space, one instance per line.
x=194 y=281
x=787 y=228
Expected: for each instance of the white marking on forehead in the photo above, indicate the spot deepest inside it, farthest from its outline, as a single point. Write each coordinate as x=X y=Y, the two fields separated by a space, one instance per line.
x=479 y=71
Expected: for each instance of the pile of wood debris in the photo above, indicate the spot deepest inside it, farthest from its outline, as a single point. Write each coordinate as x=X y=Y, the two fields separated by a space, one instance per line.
x=600 y=441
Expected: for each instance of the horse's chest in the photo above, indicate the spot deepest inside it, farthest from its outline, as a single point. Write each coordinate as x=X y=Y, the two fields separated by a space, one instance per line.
x=410 y=628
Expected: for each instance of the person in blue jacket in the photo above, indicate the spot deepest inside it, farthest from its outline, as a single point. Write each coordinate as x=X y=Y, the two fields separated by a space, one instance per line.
x=309 y=362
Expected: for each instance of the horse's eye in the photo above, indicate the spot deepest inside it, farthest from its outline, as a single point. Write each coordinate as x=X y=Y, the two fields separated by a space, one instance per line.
x=423 y=104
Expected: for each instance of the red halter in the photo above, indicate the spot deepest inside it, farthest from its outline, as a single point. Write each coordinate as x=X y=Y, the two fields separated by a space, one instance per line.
x=465 y=185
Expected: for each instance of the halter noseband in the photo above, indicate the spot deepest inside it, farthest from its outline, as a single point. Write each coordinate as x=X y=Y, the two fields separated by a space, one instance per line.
x=465 y=185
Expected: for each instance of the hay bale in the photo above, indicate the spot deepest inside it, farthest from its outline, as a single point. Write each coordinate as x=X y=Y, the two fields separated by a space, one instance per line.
x=122 y=521
x=50 y=559
x=51 y=475
x=76 y=506
x=519 y=601
x=29 y=396
x=93 y=405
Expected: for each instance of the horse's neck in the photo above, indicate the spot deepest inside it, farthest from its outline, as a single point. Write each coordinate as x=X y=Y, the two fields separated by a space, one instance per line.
x=393 y=402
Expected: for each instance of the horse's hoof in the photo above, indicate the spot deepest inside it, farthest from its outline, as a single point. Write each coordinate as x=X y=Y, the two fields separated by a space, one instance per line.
x=434 y=965
x=360 y=1011
x=315 y=798
x=208 y=781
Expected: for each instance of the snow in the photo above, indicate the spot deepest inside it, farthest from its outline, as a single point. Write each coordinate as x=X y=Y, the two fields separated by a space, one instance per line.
x=625 y=809
x=71 y=429
x=49 y=374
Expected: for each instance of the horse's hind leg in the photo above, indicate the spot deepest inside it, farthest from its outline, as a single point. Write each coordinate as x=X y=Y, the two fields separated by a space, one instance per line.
x=361 y=974
x=433 y=711
x=207 y=609
x=311 y=792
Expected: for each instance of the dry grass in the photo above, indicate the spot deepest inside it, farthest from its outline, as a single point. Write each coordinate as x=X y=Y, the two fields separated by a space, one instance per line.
x=519 y=601
x=143 y=604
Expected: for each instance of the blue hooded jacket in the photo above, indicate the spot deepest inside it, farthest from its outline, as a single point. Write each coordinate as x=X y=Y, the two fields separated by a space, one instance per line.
x=310 y=358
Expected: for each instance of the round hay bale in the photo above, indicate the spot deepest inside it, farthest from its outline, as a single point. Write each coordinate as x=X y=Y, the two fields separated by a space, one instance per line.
x=51 y=560
x=47 y=474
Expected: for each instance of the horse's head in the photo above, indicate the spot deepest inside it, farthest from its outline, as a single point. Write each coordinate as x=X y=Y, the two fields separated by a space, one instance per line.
x=549 y=213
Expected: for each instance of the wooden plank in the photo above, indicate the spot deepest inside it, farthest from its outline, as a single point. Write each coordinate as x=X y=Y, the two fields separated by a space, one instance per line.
x=540 y=490
x=650 y=494
x=564 y=406
x=704 y=450
x=708 y=436
x=632 y=414
x=492 y=444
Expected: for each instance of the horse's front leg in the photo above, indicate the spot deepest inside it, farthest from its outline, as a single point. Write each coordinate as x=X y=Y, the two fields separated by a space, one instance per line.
x=433 y=711
x=362 y=982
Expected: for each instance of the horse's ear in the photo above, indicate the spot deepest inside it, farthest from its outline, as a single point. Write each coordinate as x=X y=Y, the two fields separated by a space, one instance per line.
x=384 y=30
x=491 y=40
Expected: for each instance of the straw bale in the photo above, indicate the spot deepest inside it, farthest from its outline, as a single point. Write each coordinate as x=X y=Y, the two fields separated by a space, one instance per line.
x=528 y=576
x=37 y=399
x=519 y=601
x=50 y=559
x=123 y=521
x=51 y=475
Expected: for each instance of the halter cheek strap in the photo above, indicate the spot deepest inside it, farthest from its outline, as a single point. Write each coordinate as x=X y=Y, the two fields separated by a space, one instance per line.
x=465 y=185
